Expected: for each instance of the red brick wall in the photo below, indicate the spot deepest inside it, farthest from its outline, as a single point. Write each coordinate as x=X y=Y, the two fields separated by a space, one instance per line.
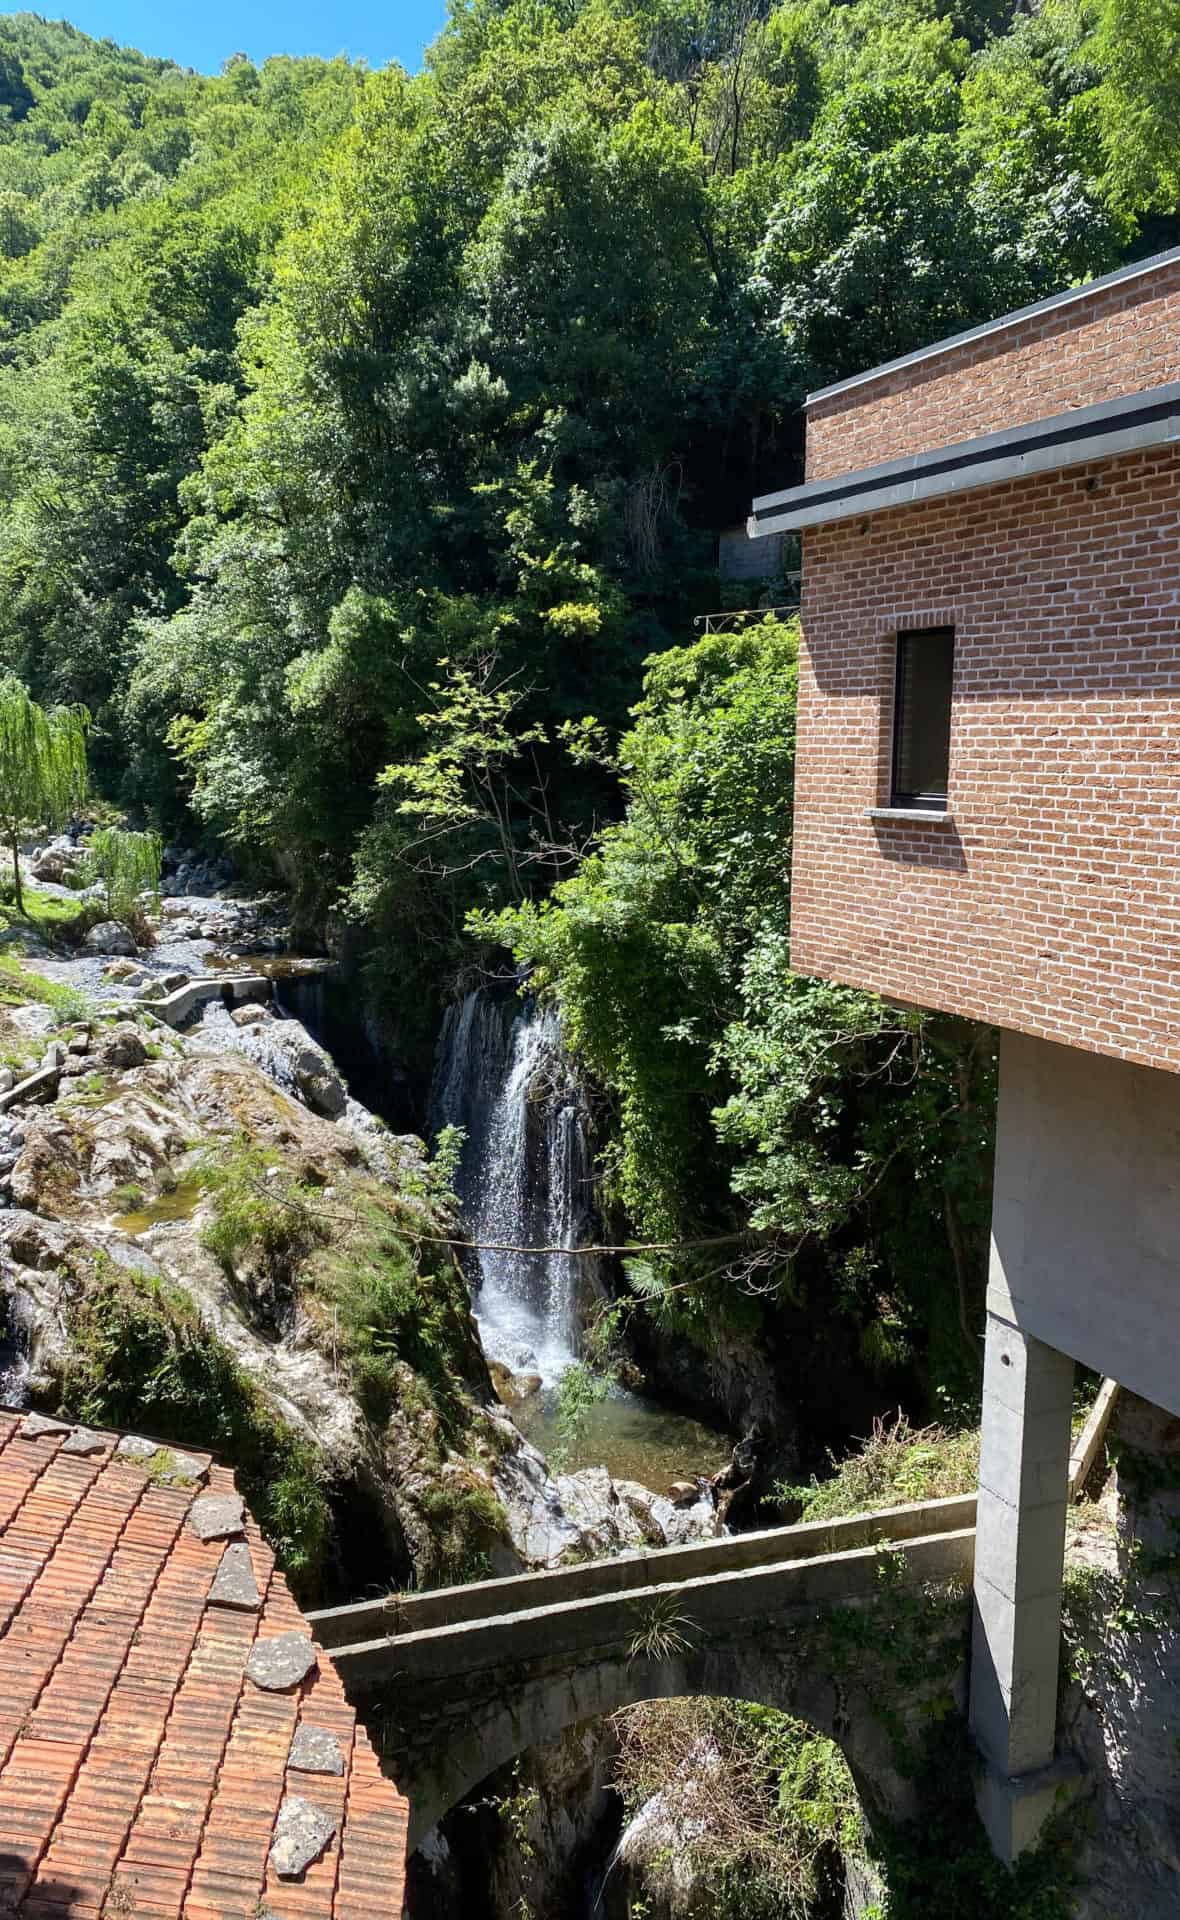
x=1123 y=340
x=1051 y=904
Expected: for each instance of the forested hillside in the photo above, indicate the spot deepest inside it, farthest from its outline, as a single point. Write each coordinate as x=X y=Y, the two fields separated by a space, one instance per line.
x=363 y=435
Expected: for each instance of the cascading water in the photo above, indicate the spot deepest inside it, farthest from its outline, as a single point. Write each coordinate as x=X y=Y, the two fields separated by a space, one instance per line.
x=526 y=1177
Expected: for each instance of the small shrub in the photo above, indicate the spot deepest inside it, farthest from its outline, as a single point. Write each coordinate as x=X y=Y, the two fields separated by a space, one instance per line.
x=388 y=1310
x=258 y=1211
x=896 y=1465
x=140 y=1356
x=755 y=1808
x=127 y=866
x=464 y=1516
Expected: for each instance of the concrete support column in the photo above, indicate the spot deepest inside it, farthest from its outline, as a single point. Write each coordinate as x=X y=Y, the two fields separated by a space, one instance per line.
x=1019 y=1556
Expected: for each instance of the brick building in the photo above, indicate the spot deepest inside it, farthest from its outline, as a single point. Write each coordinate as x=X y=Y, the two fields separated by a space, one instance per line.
x=988 y=823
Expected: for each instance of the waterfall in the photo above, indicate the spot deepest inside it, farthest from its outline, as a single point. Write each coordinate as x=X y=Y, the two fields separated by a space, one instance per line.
x=526 y=1176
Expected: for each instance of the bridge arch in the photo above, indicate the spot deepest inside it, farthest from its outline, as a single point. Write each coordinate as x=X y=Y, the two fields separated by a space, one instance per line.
x=857 y=1627
x=437 y=1773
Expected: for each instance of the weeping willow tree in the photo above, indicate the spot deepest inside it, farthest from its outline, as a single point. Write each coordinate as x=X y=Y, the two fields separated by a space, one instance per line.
x=42 y=766
x=127 y=864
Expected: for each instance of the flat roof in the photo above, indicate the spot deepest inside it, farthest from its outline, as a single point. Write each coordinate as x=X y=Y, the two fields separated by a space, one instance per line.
x=1127 y=424
x=1133 y=271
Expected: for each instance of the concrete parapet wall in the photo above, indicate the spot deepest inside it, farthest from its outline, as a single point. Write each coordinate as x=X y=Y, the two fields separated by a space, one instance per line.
x=178 y=1007
x=629 y=1573
x=707 y=1604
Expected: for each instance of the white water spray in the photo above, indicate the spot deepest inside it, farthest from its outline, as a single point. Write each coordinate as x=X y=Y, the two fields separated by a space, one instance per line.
x=526 y=1177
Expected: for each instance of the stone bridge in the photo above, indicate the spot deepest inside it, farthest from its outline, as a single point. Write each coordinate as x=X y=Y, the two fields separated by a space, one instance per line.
x=857 y=1626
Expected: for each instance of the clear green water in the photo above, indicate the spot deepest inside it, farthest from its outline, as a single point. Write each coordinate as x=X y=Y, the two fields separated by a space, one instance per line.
x=633 y=1438
x=180 y=1204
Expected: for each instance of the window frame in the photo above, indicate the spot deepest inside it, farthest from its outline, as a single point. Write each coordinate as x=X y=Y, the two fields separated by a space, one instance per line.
x=929 y=800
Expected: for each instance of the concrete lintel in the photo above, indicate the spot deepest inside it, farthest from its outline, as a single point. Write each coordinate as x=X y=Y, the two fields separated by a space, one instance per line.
x=1014 y=1808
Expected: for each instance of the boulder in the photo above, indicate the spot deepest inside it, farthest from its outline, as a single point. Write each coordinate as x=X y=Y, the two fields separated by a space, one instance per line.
x=121 y=1047
x=319 y=1082
x=513 y=1388
x=251 y=1016
x=61 y=863
x=120 y=970
x=110 y=936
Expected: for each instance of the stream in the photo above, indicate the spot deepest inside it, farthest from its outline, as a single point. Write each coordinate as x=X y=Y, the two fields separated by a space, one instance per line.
x=525 y=1177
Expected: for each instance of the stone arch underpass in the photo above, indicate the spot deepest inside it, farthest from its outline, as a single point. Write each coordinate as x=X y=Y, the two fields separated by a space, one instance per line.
x=856 y=1626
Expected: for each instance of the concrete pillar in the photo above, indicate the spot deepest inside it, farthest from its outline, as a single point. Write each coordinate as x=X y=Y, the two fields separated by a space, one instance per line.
x=1019 y=1556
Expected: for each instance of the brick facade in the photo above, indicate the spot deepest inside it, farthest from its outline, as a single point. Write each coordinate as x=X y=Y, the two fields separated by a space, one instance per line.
x=1050 y=903
x=1120 y=339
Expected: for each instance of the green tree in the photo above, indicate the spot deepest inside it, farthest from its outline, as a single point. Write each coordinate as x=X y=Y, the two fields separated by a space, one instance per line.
x=42 y=766
x=1137 y=51
x=127 y=865
x=848 y=1142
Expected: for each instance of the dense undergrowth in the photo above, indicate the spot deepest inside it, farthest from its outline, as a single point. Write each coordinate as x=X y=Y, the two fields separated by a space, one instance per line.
x=897 y=1464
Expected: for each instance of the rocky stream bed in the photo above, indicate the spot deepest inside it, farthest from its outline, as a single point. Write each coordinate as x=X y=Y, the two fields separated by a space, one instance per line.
x=105 y=1169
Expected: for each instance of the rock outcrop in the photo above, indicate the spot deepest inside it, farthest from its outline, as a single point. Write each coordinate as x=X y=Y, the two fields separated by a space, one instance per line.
x=110 y=936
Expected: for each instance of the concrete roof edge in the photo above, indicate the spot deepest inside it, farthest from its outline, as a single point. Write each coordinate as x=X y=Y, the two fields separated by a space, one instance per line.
x=1134 y=270
x=1133 y=423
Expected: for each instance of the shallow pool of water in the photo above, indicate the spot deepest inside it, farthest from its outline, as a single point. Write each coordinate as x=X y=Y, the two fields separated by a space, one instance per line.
x=180 y=1204
x=633 y=1438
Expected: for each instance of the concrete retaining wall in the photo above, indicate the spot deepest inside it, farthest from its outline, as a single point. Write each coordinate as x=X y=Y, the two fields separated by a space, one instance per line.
x=178 y=1007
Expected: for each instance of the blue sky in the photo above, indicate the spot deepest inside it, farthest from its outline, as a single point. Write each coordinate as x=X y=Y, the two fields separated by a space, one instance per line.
x=201 y=33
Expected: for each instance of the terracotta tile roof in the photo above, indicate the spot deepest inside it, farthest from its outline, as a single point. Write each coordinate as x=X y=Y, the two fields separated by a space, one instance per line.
x=141 y=1770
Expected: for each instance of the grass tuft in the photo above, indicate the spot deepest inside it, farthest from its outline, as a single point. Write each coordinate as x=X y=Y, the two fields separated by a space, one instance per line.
x=897 y=1464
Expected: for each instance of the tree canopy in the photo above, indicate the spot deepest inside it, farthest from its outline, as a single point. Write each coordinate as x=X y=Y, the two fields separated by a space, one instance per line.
x=364 y=443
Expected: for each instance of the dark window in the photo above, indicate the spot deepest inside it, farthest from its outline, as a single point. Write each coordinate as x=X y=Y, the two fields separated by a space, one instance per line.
x=922 y=717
